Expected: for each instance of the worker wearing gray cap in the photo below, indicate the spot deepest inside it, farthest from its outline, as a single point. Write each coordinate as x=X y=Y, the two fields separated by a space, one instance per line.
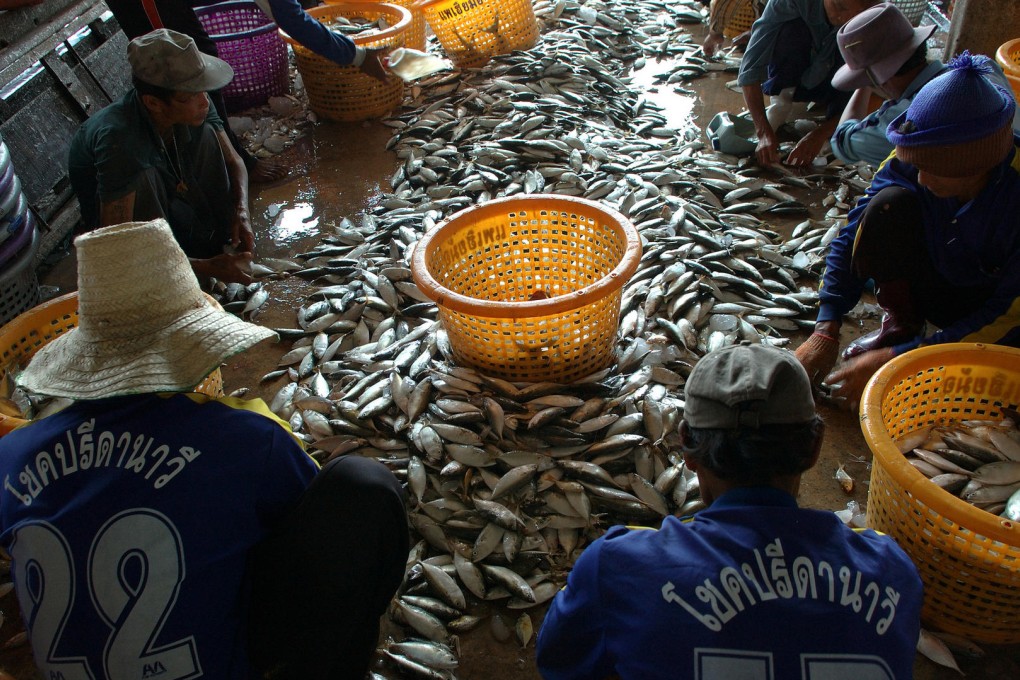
x=703 y=597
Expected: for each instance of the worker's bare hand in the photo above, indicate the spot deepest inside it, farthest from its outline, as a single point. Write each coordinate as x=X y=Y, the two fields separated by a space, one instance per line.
x=227 y=267
x=242 y=238
x=849 y=381
x=375 y=63
x=712 y=43
x=807 y=148
x=767 y=150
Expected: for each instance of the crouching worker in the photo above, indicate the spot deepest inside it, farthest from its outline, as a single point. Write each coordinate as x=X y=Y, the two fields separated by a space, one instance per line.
x=157 y=531
x=161 y=151
x=936 y=231
x=752 y=586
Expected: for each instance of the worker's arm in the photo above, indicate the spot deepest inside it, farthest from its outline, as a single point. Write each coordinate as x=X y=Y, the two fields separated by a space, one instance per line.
x=241 y=235
x=226 y=267
x=768 y=145
x=117 y=211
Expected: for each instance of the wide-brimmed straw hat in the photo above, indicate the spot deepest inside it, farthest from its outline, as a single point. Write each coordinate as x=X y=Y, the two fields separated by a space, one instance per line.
x=144 y=324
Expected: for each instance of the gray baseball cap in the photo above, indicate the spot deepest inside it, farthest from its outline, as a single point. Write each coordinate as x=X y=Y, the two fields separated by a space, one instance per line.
x=171 y=60
x=748 y=386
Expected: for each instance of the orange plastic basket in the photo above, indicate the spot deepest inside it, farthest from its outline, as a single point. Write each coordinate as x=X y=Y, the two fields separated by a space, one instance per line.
x=1008 y=56
x=484 y=266
x=22 y=337
x=969 y=559
x=416 y=31
x=344 y=93
x=741 y=16
x=473 y=31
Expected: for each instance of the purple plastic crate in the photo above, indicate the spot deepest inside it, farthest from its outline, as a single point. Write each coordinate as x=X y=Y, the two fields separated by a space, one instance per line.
x=248 y=40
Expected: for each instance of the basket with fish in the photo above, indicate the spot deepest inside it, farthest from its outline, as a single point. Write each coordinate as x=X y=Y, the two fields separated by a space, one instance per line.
x=415 y=39
x=528 y=287
x=21 y=339
x=473 y=31
x=942 y=424
x=344 y=93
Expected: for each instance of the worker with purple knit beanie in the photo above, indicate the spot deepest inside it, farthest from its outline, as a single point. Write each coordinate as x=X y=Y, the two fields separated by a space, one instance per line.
x=938 y=232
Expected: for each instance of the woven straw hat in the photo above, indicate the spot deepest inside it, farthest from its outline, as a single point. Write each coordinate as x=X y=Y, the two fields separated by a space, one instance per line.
x=144 y=324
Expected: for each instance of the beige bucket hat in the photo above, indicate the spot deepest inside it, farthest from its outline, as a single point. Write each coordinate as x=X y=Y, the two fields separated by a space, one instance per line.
x=171 y=60
x=144 y=324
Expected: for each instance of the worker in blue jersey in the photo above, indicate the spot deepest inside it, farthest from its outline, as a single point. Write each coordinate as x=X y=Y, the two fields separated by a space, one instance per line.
x=753 y=586
x=156 y=532
x=937 y=232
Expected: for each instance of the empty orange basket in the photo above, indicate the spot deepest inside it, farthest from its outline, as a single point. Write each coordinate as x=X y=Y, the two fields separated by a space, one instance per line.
x=529 y=287
x=968 y=559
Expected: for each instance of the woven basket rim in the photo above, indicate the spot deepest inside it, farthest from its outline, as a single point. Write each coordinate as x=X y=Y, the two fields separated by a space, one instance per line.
x=895 y=463
x=465 y=304
x=332 y=9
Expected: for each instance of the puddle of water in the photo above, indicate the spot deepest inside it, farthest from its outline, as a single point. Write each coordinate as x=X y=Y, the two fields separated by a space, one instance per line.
x=677 y=107
x=293 y=223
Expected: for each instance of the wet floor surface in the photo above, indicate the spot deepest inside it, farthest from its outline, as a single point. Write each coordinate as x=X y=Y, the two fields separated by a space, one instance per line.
x=339 y=171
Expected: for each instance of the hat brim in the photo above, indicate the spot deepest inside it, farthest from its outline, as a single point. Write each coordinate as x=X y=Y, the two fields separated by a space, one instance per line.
x=175 y=358
x=848 y=79
x=217 y=75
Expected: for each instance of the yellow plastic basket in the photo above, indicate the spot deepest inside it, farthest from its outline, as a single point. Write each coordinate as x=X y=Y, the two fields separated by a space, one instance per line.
x=473 y=31
x=416 y=31
x=969 y=559
x=344 y=93
x=741 y=16
x=1008 y=56
x=24 y=335
x=485 y=265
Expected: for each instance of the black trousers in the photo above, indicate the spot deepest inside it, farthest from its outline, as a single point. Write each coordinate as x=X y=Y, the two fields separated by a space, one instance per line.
x=790 y=59
x=322 y=580
x=890 y=246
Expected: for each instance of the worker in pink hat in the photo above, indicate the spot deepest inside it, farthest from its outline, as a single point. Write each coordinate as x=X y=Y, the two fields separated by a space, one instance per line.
x=937 y=232
x=885 y=57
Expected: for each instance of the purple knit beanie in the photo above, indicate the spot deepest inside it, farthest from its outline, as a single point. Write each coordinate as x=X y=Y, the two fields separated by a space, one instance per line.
x=959 y=124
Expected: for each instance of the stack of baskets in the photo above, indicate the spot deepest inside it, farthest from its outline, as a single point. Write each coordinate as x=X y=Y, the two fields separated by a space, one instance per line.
x=473 y=31
x=1008 y=56
x=968 y=559
x=19 y=243
x=344 y=93
x=21 y=338
x=247 y=40
x=529 y=287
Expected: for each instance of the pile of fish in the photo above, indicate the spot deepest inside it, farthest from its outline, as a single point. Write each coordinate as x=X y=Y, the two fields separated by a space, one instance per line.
x=508 y=481
x=976 y=460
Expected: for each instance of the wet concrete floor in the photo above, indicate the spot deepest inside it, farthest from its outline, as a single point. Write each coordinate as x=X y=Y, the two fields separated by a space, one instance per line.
x=340 y=170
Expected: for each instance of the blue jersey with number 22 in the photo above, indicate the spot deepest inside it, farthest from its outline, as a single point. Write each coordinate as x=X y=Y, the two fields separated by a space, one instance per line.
x=129 y=521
